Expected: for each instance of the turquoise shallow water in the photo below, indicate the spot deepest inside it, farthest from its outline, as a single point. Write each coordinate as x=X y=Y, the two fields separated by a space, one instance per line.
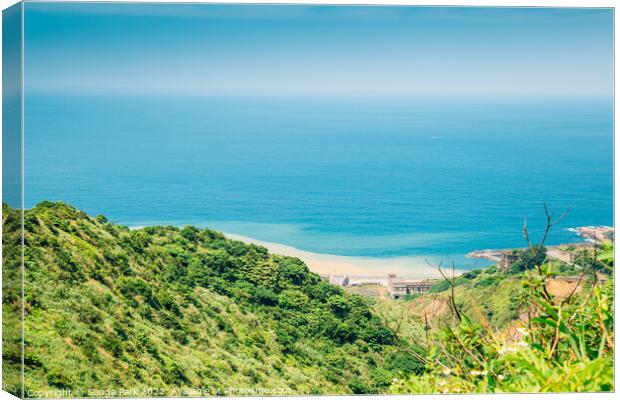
x=372 y=177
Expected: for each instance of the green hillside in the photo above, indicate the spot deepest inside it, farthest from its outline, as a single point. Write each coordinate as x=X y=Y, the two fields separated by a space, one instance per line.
x=163 y=307
x=183 y=311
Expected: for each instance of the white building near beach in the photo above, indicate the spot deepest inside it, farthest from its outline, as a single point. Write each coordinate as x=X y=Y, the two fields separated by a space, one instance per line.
x=400 y=287
x=339 y=280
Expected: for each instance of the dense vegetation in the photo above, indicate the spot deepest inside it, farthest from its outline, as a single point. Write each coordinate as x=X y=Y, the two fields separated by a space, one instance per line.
x=163 y=307
x=174 y=311
x=525 y=329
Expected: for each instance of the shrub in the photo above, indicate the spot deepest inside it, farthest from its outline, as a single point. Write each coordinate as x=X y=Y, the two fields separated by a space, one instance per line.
x=264 y=296
x=173 y=373
x=403 y=362
x=528 y=259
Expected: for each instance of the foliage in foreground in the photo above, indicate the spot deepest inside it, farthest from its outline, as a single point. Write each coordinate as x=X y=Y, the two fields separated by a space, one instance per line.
x=560 y=342
x=566 y=347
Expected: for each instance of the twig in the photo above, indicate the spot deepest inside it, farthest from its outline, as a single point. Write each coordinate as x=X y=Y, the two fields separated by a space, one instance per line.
x=556 y=337
x=551 y=221
x=452 y=284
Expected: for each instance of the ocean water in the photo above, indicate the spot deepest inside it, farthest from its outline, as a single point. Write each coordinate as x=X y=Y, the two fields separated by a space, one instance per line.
x=353 y=177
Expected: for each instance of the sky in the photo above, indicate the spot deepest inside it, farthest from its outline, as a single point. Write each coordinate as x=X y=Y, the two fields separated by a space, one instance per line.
x=262 y=50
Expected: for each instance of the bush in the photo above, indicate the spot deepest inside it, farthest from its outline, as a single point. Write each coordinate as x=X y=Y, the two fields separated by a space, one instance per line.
x=59 y=380
x=357 y=387
x=137 y=240
x=402 y=362
x=487 y=281
x=264 y=296
x=172 y=373
x=527 y=259
x=132 y=287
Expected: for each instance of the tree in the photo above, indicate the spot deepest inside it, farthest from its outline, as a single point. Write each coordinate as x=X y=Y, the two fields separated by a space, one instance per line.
x=529 y=259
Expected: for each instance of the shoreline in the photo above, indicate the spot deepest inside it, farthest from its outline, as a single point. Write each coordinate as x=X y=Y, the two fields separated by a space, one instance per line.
x=364 y=268
x=351 y=266
x=594 y=234
x=590 y=236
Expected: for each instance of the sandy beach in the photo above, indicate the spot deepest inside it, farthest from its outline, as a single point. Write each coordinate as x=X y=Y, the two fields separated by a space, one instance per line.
x=412 y=267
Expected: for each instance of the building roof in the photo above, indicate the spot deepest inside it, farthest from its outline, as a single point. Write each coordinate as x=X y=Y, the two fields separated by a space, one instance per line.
x=410 y=281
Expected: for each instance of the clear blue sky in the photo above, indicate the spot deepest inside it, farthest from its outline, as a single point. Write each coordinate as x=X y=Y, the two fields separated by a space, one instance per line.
x=318 y=50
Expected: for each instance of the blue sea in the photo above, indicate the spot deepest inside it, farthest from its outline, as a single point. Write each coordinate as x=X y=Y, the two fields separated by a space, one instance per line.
x=356 y=177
